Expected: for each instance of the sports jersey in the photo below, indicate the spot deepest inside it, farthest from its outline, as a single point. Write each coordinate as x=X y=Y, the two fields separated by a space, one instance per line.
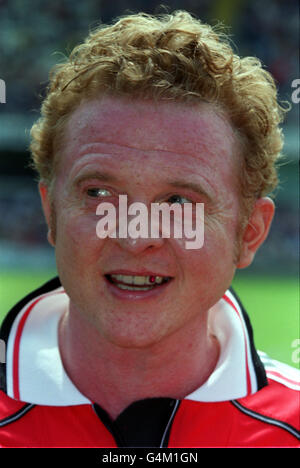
x=249 y=400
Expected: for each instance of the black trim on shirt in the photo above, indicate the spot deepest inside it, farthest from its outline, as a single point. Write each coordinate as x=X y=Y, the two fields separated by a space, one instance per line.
x=144 y=423
x=260 y=372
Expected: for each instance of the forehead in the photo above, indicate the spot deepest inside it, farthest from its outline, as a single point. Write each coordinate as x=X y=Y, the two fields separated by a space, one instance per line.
x=167 y=133
x=146 y=123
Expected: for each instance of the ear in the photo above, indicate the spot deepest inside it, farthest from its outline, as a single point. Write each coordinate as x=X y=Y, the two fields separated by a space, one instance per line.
x=47 y=209
x=256 y=230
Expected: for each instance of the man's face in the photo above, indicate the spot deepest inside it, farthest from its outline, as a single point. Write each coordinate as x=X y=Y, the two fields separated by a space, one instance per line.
x=151 y=153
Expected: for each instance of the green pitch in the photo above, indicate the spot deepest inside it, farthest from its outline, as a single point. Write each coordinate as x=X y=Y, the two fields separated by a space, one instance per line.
x=272 y=303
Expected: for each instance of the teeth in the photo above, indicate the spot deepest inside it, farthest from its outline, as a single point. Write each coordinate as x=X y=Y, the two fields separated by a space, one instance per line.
x=132 y=288
x=123 y=278
x=158 y=279
x=137 y=280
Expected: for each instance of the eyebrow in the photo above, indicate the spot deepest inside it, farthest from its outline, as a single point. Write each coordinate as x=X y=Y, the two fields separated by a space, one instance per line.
x=102 y=176
x=191 y=186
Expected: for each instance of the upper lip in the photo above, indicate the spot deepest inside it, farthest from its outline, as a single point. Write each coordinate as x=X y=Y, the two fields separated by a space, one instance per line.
x=136 y=273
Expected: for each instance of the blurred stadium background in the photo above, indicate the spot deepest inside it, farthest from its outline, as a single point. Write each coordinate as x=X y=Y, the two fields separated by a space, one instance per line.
x=33 y=36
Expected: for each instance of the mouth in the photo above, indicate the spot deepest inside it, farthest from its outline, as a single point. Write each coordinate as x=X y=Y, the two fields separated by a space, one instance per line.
x=137 y=282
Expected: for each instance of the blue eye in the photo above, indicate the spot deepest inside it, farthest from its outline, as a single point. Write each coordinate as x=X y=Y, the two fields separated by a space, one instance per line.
x=178 y=199
x=98 y=192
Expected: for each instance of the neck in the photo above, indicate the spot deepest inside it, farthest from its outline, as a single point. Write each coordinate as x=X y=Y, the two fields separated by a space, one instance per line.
x=173 y=367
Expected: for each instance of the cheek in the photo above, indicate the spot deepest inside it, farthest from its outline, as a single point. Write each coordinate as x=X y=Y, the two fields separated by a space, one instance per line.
x=76 y=239
x=214 y=261
x=209 y=273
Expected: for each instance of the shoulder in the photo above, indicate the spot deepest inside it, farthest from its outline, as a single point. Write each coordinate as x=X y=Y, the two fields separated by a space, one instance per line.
x=15 y=319
x=13 y=415
x=11 y=410
x=277 y=405
x=26 y=301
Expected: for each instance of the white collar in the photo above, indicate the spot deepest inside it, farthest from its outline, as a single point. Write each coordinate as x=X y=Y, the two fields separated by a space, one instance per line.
x=35 y=373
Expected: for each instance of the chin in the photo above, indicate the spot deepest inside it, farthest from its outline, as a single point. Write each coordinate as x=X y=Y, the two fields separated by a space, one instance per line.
x=133 y=340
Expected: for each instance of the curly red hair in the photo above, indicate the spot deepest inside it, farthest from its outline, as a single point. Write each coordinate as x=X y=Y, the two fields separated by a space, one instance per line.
x=174 y=57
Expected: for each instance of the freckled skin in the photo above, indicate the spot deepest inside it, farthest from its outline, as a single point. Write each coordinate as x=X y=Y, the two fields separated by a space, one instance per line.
x=145 y=145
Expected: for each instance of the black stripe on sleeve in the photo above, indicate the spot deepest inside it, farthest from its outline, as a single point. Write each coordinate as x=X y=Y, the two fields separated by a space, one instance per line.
x=266 y=419
x=17 y=415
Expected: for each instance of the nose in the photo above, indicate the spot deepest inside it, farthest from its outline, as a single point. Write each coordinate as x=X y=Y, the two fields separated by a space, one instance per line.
x=133 y=227
x=139 y=245
x=139 y=232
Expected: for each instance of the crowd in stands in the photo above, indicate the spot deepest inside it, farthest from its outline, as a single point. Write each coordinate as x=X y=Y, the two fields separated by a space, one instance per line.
x=34 y=34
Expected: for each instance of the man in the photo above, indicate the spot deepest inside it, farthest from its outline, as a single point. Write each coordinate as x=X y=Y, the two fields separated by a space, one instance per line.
x=141 y=342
